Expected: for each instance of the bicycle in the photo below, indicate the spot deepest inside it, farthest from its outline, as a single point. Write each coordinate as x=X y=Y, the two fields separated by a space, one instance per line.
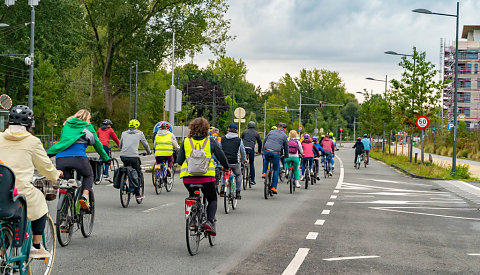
x=113 y=165
x=316 y=163
x=358 y=161
x=267 y=188
x=70 y=215
x=160 y=177
x=365 y=159
x=195 y=218
x=307 y=174
x=16 y=234
x=246 y=176
x=229 y=191
x=291 y=179
x=128 y=186
x=218 y=179
x=326 y=167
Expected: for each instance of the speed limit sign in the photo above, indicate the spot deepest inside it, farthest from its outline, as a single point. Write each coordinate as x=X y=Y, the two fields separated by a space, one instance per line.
x=422 y=122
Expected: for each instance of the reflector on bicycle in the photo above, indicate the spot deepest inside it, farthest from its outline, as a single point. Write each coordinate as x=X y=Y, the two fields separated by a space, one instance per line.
x=197 y=192
x=189 y=202
x=63 y=191
x=157 y=166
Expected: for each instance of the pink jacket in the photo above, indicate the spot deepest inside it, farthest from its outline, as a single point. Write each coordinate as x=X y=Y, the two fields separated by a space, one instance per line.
x=327 y=145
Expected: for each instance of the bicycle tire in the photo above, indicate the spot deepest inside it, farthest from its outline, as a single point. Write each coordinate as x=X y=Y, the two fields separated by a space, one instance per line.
x=154 y=172
x=226 y=199
x=157 y=182
x=50 y=244
x=9 y=250
x=244 y=177
x=211 y=240
x=307 y=177
x=233 y=195
x=142 y=189
x=114 y=165
x=218 y=177
x=266 y=187
x=169 y=182
x=290 y=180
x=87 y=217
x=63 y=223
x=192 y=234
x=124 y=191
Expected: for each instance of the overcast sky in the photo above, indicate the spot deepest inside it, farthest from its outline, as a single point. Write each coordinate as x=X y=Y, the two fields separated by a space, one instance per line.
x=275 y=37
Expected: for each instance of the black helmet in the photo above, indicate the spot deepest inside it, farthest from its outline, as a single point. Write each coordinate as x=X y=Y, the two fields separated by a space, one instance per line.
x=282 y=125
x=21 y=115
x=251 y=124
x=107 y=122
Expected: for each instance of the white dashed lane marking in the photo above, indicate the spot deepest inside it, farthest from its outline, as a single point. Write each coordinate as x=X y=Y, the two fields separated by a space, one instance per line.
x=325 y=212
x=335 y=191
x=312 y=236
x=319 y=222
x=350 y=258
x=330 y=203
x=296 y=262
x=333 y=196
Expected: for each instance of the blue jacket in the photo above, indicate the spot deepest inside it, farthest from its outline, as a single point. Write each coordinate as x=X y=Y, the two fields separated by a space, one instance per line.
x=366 y=144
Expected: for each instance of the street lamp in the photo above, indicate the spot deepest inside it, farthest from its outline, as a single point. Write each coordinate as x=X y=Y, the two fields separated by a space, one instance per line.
x=386 y=81
x=454 y=153
x=3 y=25
x=130 y=92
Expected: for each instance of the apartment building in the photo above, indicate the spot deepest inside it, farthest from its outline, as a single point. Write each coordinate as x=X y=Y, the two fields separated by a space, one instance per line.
x=468 y=92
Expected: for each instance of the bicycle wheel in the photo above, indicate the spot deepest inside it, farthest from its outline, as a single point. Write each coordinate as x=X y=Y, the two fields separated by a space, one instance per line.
x=218 y=177
x=87 y=217
x=157 y=181
x=211 y=240
x=124 y=191
x=226 y=199
x=365 y=162
x=266 y=187
x=6 y=250
x=154 y=173
x=307 y=177
x=169 y=182
x=48 y=240
x=244 y=177
x=291 y=181
x=192 y=232
x=114 y=165
x=233 y=195
x=64 y=221
x=142 y=189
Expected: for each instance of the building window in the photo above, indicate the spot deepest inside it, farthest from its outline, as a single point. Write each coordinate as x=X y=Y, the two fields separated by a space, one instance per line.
x=464 y=97
x=468 y=69
x=464 y=83
x=472 y=55
x=464 y=110
x=476 y=69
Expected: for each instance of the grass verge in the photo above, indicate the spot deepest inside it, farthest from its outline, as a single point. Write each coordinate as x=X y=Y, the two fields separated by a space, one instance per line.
x=425 y=170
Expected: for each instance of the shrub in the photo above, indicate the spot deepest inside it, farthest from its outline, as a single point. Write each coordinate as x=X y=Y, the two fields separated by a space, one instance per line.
x=429 y=148
x=462 y=171
x=450 y=152
x=462 y=153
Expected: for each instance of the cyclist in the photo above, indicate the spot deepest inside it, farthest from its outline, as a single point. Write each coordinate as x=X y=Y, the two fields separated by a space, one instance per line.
x=275 y=145
x=164 y=145
x=197 y=137
x=129 y=142
x=329 y=149
x=358 y=150
x=366 y=146
x=232 y=145
x=294 y=151
x=315 y=155
x=274 y=127
x=215 y=134
x=308 y=154
x=70 y=150
x=157 y=127
x=249 y=137
x=105 y=133
x=23 y=152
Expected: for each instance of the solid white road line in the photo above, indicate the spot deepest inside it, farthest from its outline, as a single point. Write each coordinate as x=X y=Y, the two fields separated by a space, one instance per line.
x=319 y=222
x=351 y=258
x=333 y=196
x=335 y=191
x=158 y=207
x=424 y=214
x=312 y=236
x=330 y=203
x=473 y=254
x=296 y=262
x=325 y=212
x=342 y=173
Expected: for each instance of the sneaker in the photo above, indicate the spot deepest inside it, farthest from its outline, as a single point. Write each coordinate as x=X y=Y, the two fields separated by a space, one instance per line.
x=107 y=178
x=209 y=227
x=274 y=190
x=139 y=197
x=83 y=201
x=253 y=182
x=297 y=184
x=39 y=253
x=264 y=175
x=282 y=171
x=331 y=174
x=222 y=193
x=302 y=178
x=237 y=195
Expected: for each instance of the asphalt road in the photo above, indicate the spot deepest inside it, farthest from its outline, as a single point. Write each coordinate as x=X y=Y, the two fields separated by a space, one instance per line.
x=397 y=224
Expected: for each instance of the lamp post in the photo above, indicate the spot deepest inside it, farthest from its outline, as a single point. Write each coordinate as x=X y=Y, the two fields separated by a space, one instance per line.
x=136 y=93
x=454 y=153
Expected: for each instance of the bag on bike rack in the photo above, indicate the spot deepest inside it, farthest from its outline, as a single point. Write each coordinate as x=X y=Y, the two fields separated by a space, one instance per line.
x=96 y=167
x=133 y=177
x=117 y=176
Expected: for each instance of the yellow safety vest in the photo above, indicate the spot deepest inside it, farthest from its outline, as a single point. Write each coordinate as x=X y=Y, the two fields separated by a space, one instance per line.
x=188 y=151
x=163 y=145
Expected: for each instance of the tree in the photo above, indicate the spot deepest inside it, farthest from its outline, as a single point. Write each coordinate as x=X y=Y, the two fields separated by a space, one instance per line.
x=417 y=92
x=200 y=97
x=123 y=31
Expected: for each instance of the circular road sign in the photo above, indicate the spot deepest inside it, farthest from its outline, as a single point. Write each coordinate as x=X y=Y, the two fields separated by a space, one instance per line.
x=422 y=122
x=239 y=112
x=5 y=102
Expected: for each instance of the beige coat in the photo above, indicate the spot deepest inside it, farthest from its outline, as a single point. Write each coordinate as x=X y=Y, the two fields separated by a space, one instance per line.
x=22 y=152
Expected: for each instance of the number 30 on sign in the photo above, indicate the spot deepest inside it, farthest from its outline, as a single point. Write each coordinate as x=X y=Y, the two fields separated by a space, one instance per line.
x=422 y=122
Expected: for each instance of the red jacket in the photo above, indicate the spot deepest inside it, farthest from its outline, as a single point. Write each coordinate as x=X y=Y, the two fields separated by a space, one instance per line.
x=104 y=134
x=327 y=145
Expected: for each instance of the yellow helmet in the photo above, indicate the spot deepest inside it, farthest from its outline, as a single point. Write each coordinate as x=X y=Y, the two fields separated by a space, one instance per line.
x=273 y=127
x=211 y=129
x=134 y=123
x=331 y=133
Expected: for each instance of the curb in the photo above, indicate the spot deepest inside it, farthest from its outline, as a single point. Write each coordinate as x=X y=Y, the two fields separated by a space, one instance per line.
x=408 y=172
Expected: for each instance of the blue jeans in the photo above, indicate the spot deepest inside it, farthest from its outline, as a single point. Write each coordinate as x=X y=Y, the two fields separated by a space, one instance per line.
x=304 y=164
x=274 y=158
x=251 y=158
x=106 y=166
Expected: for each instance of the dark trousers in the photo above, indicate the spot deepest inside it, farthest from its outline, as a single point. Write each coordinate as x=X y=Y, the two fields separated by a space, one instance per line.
x=210 y=194
x=251 y=159
x=81 y=165
x=38 y=226
x=106 y=165
x=136 y=164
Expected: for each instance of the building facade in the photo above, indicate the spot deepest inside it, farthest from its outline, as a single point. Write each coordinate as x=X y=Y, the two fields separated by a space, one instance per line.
x=468 y=92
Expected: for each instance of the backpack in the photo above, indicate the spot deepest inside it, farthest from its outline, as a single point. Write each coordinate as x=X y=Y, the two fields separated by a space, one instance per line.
x=292 y=146
x=198 y=162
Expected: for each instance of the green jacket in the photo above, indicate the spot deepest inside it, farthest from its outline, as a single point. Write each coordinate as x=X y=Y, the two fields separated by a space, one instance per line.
x=71 y=132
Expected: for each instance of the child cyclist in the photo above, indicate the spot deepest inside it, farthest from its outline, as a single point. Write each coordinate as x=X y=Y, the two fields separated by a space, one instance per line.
x=294 y=151
x=358 y=150
x=308 y=149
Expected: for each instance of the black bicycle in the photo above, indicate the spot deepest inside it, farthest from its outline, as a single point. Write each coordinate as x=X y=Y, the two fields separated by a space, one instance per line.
x=246 y=176
x=291 y=178
x=307 y=174
x=195 y=218
x=160 y=177
x=70 y=215
x=218 y=179
x=267 y=188
x=128 y=185
x=99 y=171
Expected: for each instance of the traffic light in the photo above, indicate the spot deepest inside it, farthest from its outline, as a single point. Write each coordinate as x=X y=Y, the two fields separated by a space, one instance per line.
x=320 y=104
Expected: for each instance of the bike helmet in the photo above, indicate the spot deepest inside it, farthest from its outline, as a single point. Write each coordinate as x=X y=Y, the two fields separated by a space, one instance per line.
x=21 y=115
x=273 y=127
x=281 y=125
x=251 y=124
x=364 y=135
x=359 y=138
x=211 y=129
x=134 y=123
x=107 y=122
x=315 y=138
x=165 y=126
x=306 y=136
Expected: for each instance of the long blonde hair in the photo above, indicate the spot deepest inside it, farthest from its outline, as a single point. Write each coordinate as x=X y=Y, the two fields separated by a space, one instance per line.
x=82 y=114
x=293 y=134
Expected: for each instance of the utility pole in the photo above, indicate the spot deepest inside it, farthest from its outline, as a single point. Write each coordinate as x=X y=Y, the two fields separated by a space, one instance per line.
x=300 y=112
x=136 y=88
x=32 y=44
x=171 y=103
x=214 y=106
x=354 y=129
x=265 y=120
x=130 y=96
